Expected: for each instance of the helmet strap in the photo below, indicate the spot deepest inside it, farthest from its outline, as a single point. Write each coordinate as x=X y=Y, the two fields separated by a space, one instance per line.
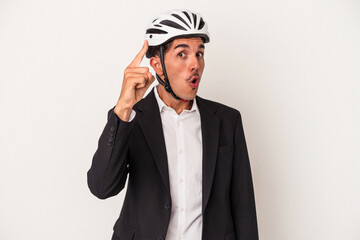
x=166 y=83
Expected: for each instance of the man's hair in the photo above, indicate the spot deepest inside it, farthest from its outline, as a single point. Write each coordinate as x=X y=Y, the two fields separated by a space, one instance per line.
x=155 y=50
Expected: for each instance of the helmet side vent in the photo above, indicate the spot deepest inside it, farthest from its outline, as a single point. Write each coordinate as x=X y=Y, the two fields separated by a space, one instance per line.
x=201 y=24
x=154 y=30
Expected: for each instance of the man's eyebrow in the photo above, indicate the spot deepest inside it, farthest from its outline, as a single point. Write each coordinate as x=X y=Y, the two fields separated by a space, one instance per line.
x=187 y=46
x=182 y=45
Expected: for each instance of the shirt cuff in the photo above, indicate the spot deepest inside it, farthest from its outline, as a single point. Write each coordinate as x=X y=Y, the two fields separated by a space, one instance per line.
x=132 y=115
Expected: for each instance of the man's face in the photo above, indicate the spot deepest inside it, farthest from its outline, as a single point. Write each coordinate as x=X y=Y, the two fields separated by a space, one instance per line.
x=184 y=63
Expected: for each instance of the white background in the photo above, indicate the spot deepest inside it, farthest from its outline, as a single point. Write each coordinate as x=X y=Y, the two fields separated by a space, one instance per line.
x=292 y=68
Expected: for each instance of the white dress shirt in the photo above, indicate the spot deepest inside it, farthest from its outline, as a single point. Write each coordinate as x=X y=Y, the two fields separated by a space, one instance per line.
x=183 y=142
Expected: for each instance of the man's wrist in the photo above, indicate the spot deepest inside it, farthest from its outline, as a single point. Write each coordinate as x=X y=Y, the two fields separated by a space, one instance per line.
x=123 y=113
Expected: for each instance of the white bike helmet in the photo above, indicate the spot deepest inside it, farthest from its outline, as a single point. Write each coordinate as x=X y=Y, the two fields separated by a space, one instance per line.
x=176 y=23
x=171 y=25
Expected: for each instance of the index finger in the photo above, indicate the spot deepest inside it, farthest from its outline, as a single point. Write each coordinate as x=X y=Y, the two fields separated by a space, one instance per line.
x=139 y=57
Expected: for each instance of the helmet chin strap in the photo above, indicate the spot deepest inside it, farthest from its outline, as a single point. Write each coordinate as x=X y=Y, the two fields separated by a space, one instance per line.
x=166 y=83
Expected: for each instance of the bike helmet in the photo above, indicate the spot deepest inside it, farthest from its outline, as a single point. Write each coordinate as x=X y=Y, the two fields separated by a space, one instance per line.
x=170 y=25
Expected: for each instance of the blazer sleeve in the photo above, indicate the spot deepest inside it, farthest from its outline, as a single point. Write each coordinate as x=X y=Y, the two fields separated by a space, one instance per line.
x=110 y=165
x=242 y=193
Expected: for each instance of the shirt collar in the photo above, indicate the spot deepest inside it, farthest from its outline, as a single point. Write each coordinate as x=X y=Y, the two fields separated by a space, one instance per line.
x=163 y=106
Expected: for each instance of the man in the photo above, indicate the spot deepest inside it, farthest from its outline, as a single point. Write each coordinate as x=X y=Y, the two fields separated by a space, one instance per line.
x=186 y=157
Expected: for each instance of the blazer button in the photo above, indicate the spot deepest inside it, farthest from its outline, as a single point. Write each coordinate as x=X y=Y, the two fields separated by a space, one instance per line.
x=160 y=238
x=167 y=206
x=112 y=128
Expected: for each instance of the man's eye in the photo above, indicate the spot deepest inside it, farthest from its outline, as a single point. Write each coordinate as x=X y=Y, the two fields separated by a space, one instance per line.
x=181 y=54
x=200 y=54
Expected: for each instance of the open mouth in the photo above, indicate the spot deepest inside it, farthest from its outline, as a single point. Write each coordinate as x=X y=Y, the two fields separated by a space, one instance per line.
x=194 y=82
x=194 y=79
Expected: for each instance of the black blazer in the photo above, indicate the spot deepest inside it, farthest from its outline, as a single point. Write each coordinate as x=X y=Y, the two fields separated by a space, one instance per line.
x=137 y=150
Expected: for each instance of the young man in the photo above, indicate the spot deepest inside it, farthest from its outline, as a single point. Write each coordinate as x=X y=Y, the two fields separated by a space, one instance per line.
x=185 y=157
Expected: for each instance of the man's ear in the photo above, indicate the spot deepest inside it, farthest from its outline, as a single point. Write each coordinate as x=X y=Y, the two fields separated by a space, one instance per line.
x=156 y=65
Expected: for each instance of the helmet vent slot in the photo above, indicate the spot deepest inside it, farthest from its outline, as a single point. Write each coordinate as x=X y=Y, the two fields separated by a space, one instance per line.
x=187 y=15
x=181 y=19
x=194 y=20
x=172 y=24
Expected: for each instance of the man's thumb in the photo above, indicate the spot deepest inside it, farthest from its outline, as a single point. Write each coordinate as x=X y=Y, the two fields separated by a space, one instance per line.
x=151 y=77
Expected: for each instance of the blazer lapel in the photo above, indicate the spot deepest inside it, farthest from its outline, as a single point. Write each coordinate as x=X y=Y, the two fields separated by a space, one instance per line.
x=150 y=122
x=210 y=126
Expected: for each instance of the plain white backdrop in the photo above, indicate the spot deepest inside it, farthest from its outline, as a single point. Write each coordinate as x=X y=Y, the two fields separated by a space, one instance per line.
x=292 y=68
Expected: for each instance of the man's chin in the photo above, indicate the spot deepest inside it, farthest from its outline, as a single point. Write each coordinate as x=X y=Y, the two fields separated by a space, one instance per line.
x=189 y=97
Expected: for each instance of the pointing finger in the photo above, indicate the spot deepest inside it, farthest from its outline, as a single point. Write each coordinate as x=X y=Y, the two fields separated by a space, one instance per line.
x=139 y=57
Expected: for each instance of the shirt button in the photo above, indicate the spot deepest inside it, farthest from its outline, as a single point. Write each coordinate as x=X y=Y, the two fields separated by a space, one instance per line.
x=181 y=180
x=179 y=124
x=181 y=209
x=181 y=151
x=180 y=238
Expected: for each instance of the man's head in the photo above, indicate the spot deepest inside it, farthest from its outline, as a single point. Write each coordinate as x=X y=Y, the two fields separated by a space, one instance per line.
x=176 y=40
x=184 y=61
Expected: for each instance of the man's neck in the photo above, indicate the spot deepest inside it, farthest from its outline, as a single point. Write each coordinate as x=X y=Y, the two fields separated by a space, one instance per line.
x=176 y=104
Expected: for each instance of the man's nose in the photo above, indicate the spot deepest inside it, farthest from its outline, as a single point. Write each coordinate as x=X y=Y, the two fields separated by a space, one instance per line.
x=194 y=63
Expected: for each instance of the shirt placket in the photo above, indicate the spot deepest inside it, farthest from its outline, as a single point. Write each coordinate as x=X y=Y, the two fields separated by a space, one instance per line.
x=181 y=175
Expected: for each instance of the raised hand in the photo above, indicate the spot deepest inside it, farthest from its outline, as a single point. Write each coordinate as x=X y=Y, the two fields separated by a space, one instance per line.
x=135 y=83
